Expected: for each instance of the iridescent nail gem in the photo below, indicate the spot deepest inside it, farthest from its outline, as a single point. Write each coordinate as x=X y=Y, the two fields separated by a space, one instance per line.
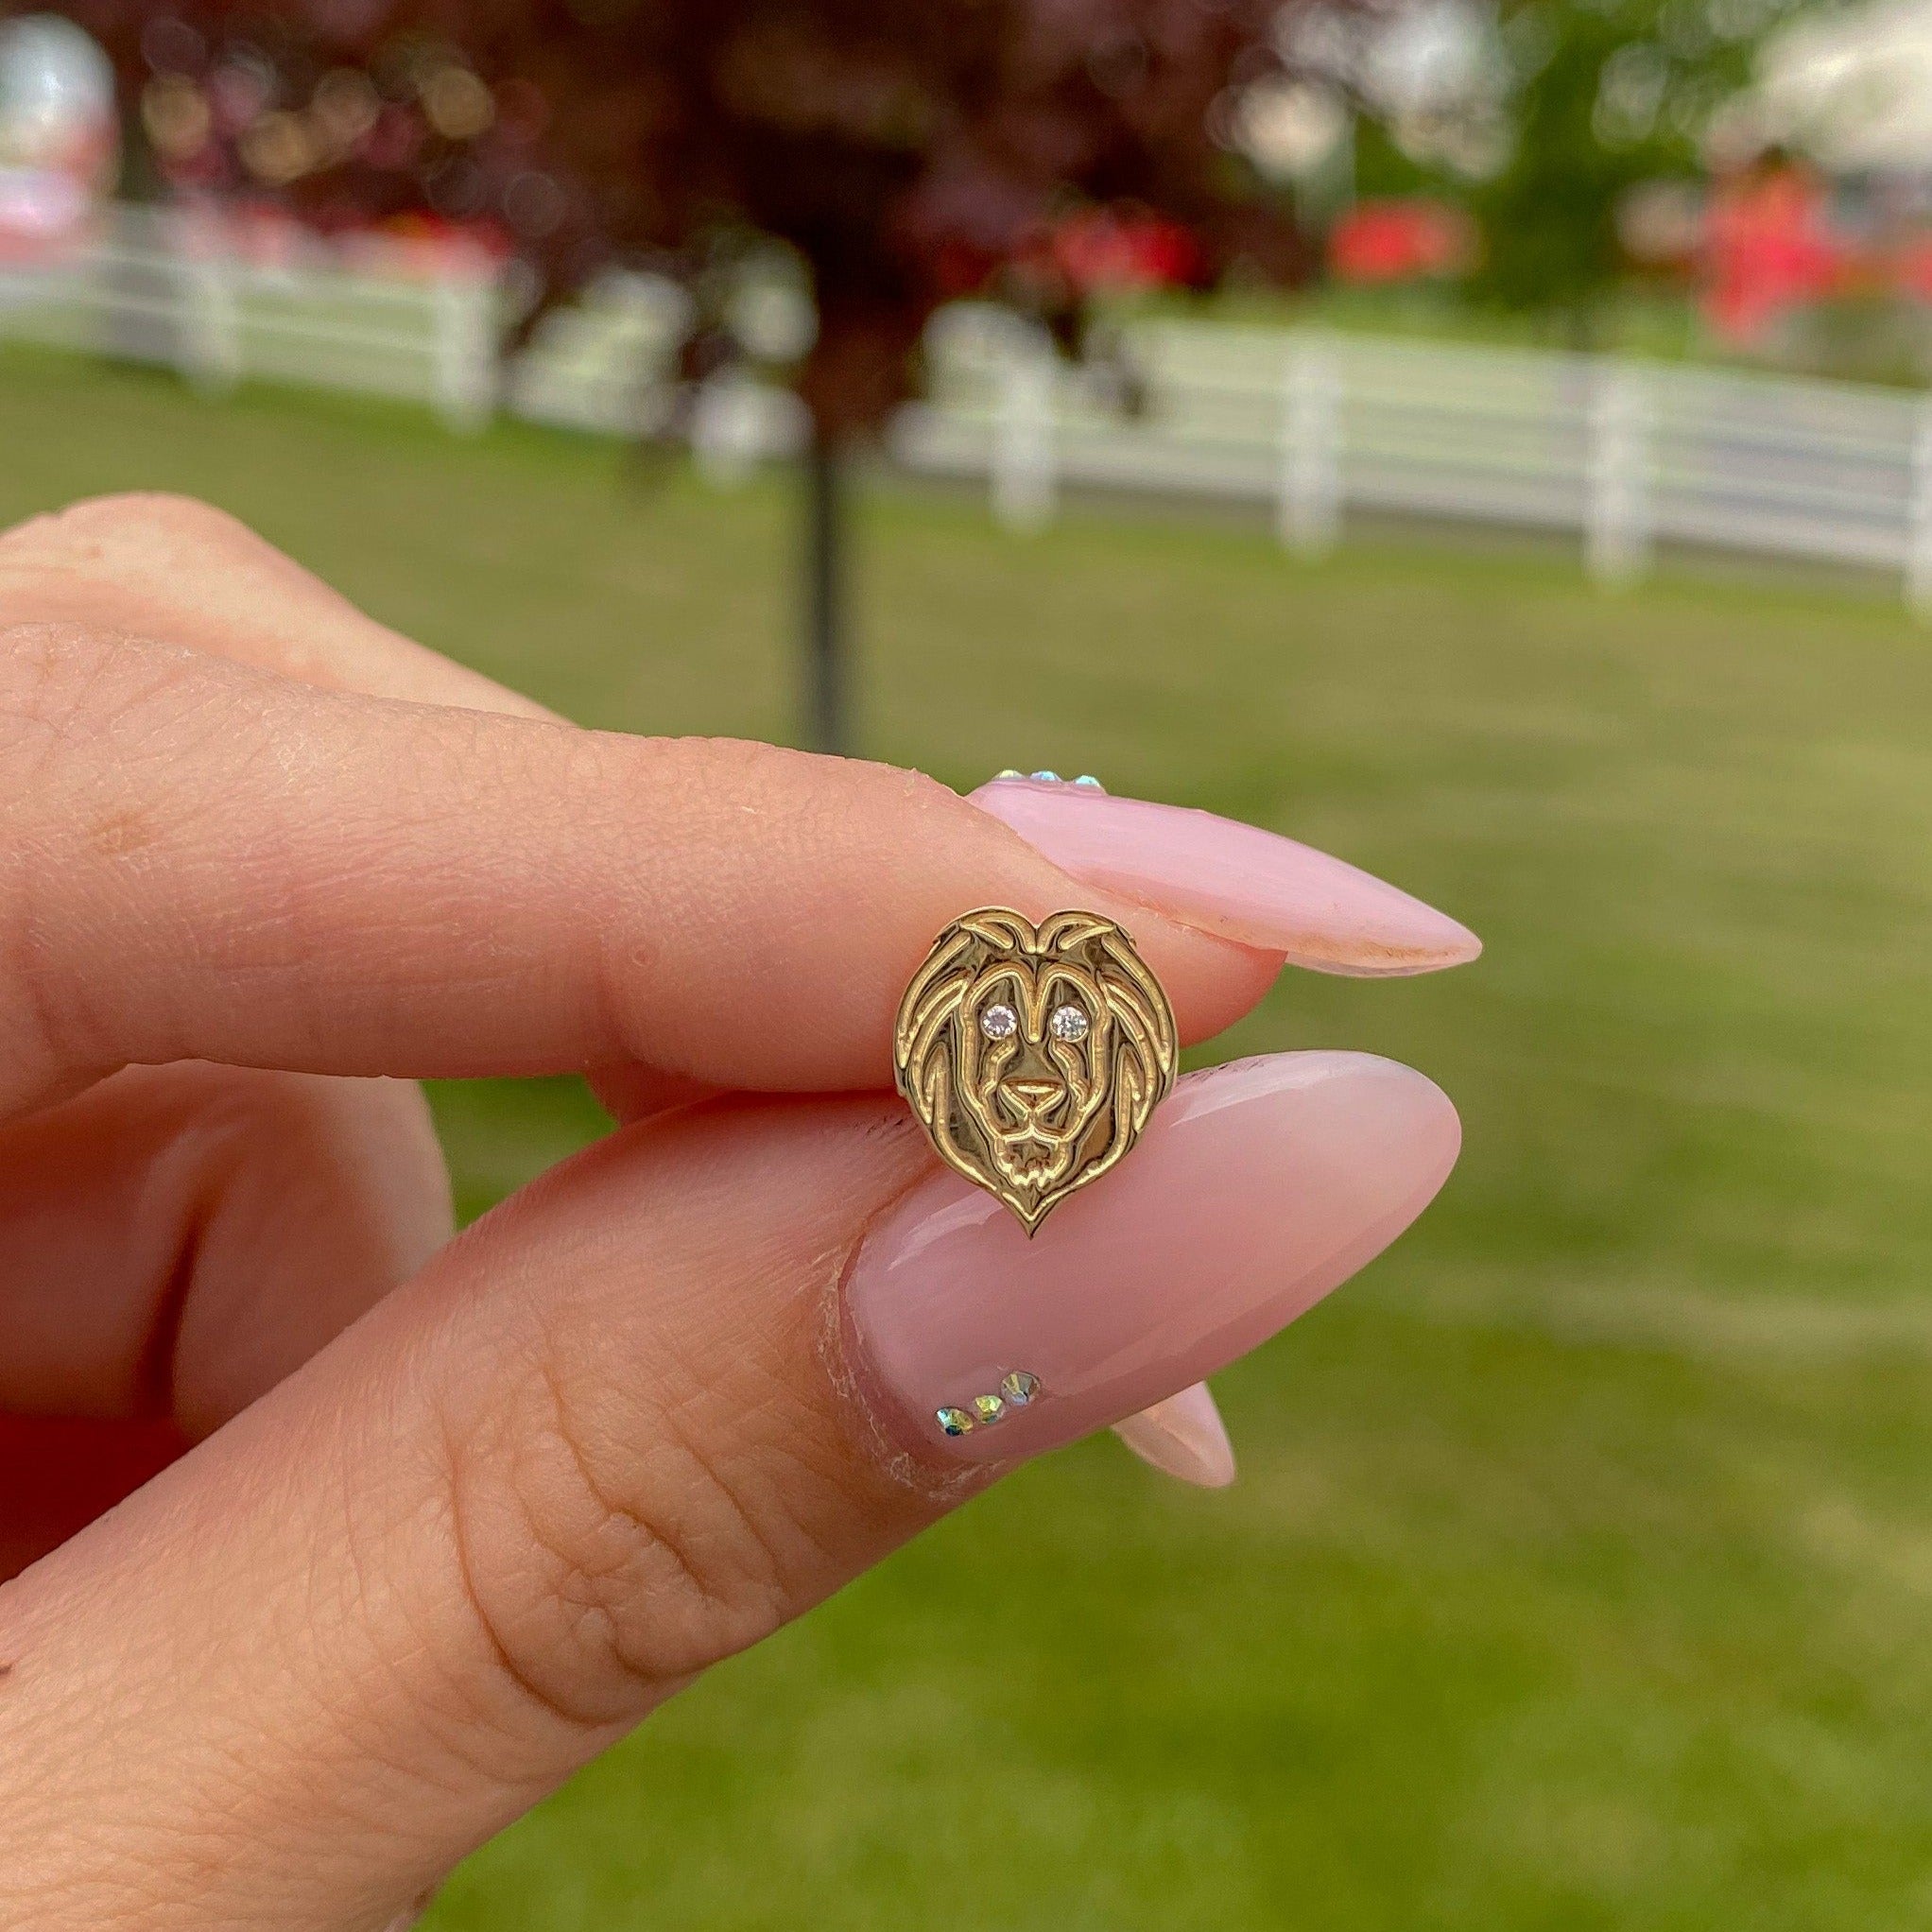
x=988 y=1409
x=1019 y=1388
x=955 y=1422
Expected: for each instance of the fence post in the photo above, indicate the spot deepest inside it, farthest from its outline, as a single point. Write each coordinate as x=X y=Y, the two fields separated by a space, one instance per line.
x=1616 y=476
x=1308 y=476
x=208 y=333
x=466 y=374
x=727 y=430
x=1022 y=467
x=1919 y=519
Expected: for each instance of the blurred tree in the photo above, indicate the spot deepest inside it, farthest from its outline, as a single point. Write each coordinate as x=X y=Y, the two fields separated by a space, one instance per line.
x=1604 y=95
x=907 y=154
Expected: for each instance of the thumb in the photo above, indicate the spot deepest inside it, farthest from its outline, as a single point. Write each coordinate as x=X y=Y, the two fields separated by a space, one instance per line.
x=678 y=1391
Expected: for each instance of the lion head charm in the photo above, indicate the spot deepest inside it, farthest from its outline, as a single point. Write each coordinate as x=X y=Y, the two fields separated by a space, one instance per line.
x=1033 y=1055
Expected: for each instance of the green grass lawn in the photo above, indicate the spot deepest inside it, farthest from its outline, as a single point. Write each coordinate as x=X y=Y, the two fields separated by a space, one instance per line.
x=1581 y=1575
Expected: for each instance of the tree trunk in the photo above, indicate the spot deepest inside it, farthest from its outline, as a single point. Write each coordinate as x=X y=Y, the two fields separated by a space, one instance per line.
x=827 y=725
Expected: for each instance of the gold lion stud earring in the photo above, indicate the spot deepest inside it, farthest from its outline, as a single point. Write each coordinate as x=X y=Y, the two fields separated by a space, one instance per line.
x=1033 y=1056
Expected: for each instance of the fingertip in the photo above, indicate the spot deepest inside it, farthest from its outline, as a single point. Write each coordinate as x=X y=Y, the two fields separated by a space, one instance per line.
x=1211 y=982
x=1257 y=1188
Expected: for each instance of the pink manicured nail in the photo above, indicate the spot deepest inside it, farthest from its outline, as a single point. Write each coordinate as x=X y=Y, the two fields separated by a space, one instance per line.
x=1184 y=1438
x=1257 y=1188
x=1231 y=879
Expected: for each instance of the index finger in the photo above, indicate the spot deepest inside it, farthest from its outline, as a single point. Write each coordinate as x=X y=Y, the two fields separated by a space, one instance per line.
x=206 y=861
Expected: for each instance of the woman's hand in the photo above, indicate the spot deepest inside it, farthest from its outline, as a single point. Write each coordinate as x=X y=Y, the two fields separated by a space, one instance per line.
x=460 y=1513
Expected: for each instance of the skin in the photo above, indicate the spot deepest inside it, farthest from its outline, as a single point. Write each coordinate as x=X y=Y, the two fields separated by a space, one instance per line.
x=456 y=1514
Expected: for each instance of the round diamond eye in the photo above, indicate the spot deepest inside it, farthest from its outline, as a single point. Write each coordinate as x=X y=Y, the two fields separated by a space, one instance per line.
x=1068 y=1023
x=999 y=1023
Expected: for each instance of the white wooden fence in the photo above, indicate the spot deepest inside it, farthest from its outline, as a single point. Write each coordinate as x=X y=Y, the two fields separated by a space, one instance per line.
x=1622 y=454
x=156 y=285
x=173 y=287
x=1626 y=455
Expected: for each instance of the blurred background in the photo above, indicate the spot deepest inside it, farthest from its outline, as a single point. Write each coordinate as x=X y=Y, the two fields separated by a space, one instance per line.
x=1487 y=438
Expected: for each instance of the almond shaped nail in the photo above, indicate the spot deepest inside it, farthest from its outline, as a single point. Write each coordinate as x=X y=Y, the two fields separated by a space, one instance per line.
x=1184 y=1438
x=1257 y=1188
x=1236 y=881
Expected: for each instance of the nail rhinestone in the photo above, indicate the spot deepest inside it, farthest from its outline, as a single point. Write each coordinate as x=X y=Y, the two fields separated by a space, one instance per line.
x=1093 y=784
x=1046 y=778
x=1009 y=772
x=1017 y=1388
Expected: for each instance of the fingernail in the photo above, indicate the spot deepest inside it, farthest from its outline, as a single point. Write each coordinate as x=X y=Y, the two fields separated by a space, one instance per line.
x=1184 y=1438
x=1231 y=879
x=1256 y=1188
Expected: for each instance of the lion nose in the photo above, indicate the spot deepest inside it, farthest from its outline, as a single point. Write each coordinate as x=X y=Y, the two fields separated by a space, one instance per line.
x=1035 y=1091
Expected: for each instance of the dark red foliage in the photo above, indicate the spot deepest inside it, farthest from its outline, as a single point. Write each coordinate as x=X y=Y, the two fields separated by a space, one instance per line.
x=910 y=152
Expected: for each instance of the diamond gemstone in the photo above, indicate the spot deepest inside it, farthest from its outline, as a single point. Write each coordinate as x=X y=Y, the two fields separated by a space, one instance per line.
x=1019 y=1388
x=1068 y=1023
x=988 y=1409
x=956 y=1422
x=999 y=1023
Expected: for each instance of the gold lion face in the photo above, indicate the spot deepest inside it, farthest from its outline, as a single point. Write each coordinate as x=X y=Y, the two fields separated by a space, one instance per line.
x=1034 y=1055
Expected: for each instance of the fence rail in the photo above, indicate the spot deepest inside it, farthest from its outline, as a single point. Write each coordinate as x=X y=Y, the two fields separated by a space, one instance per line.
x=1624 y=455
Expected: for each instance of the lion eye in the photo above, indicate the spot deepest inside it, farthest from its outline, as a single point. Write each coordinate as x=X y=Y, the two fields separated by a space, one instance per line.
x=999 y=1023
x=1068 y=1023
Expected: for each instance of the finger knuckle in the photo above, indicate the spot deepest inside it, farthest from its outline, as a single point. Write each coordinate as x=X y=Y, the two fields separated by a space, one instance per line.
x=606 y=1555
x=93 y=529
x=83 y=716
